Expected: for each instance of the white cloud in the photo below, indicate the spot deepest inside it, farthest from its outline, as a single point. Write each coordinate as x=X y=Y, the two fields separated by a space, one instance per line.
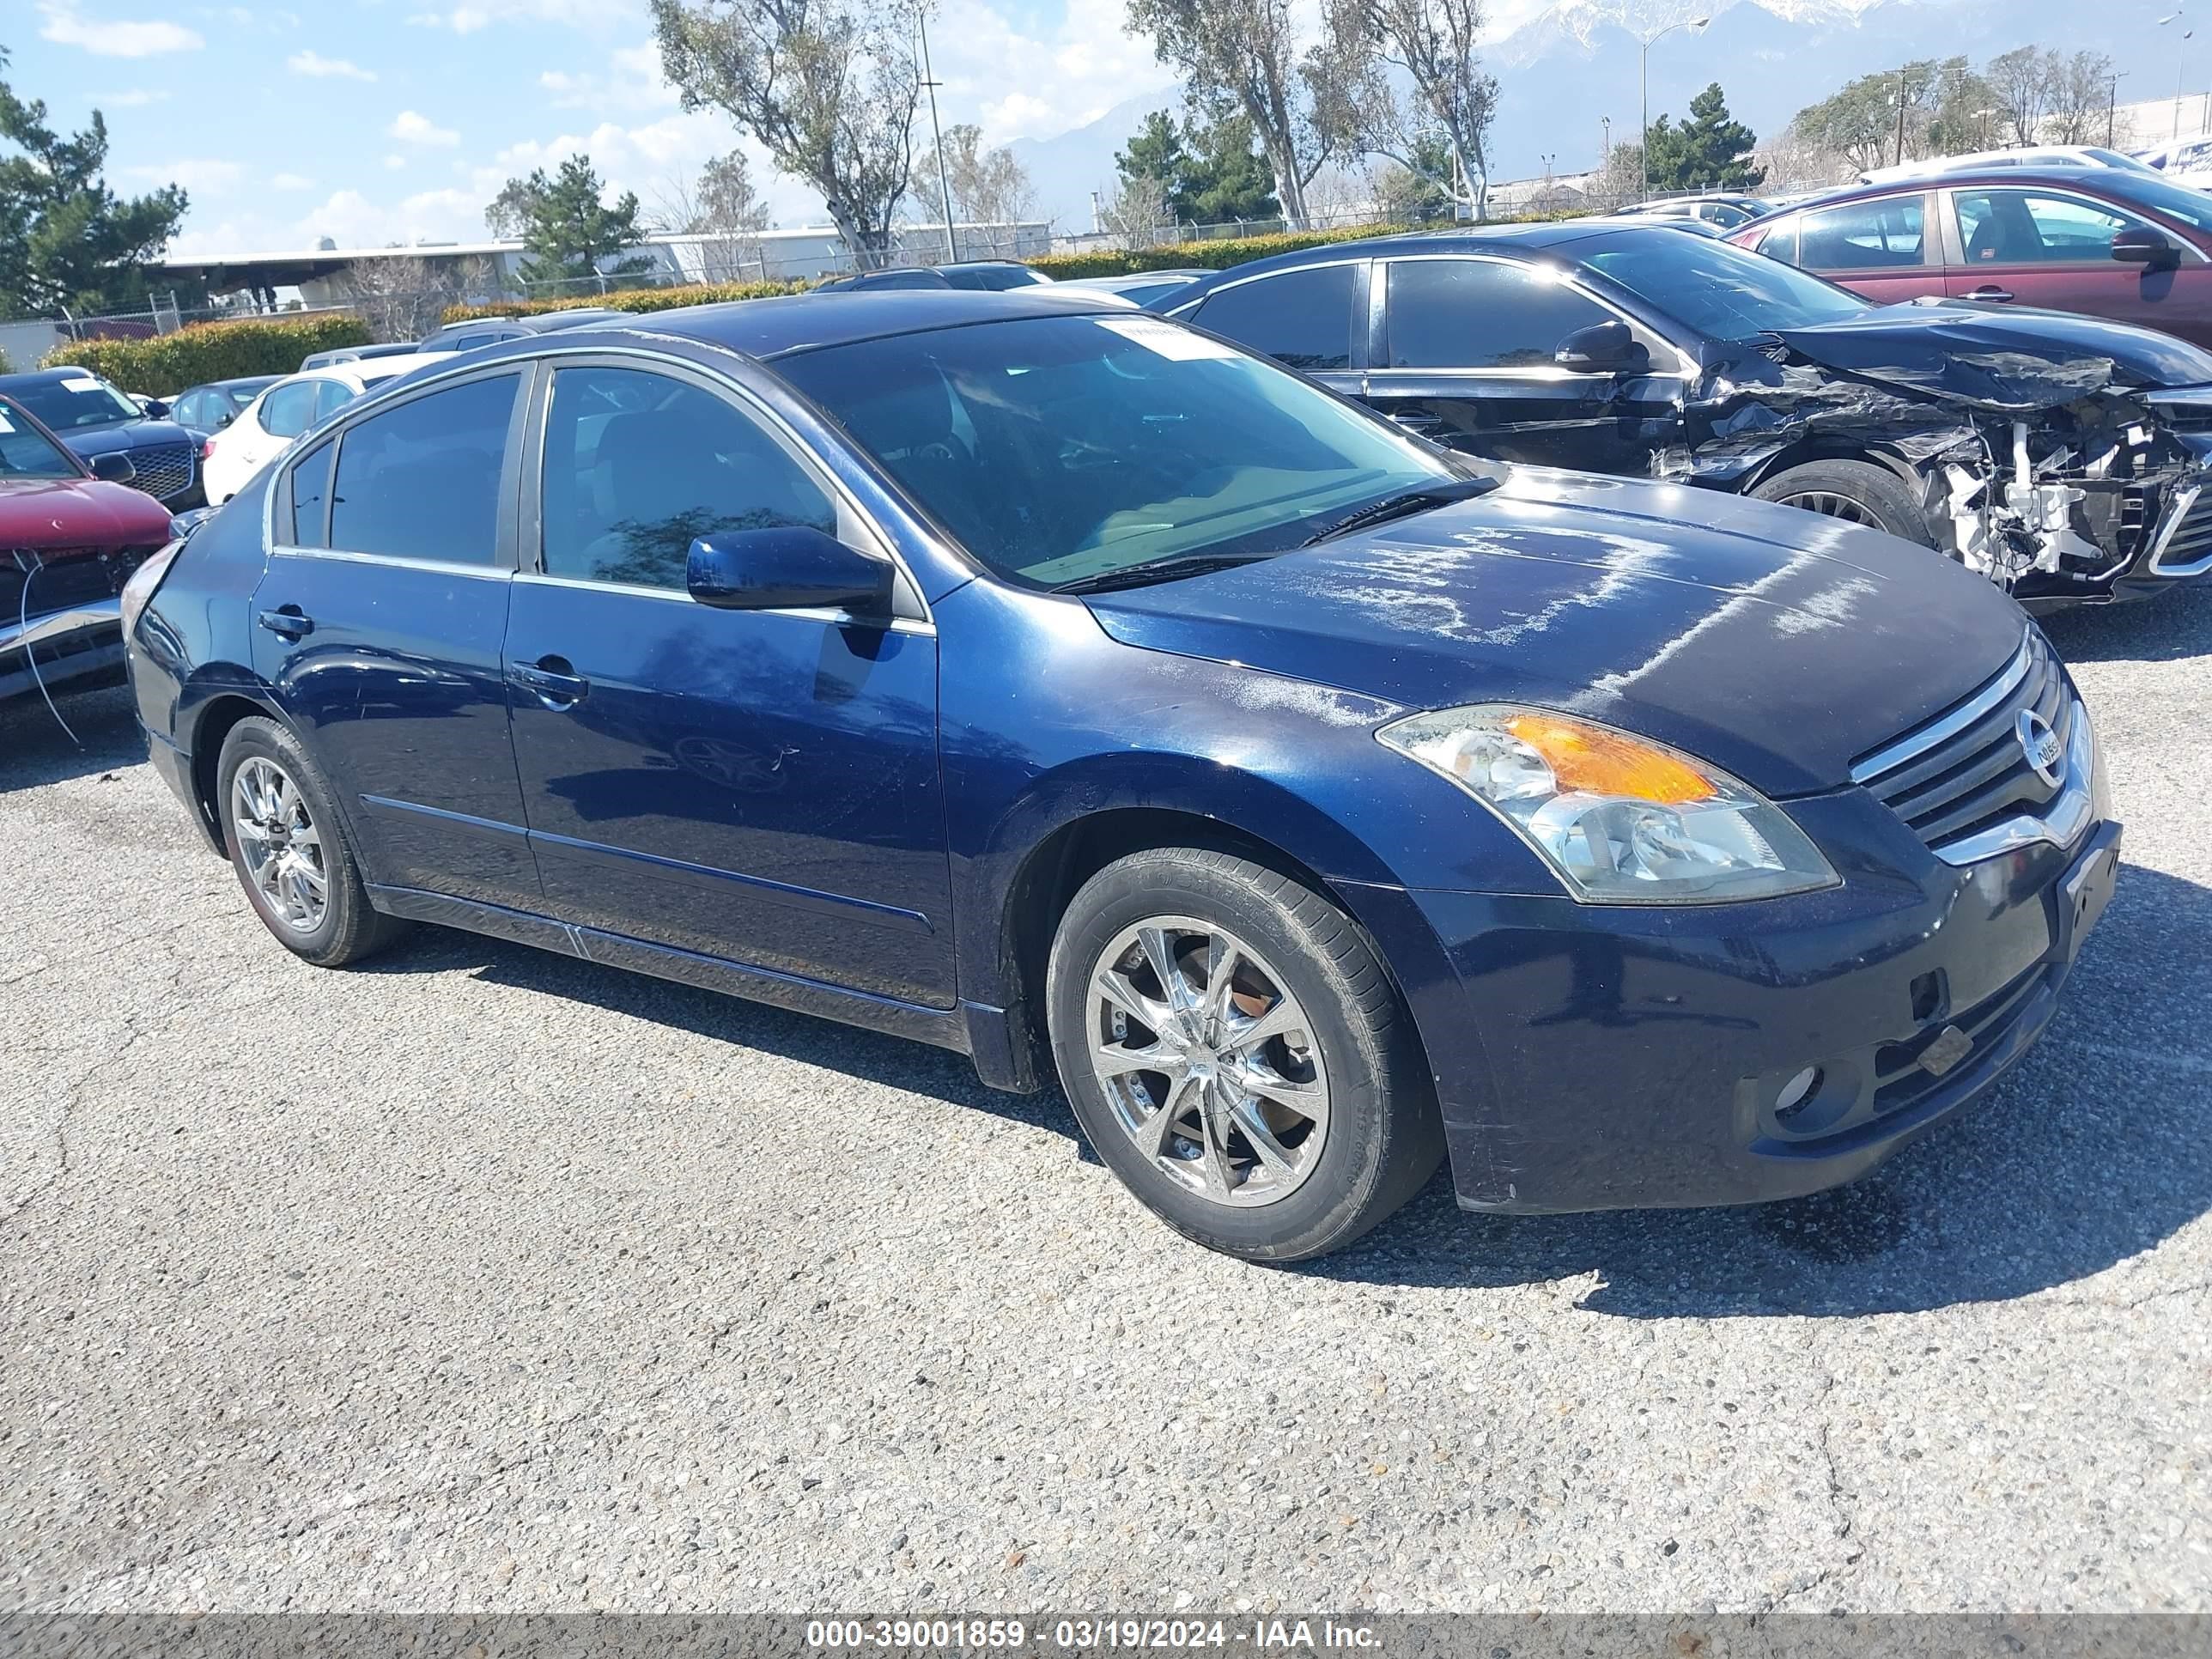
x=410 y=128
x=1036 y=86
x=395 y=162
x=115 y=38
x=467 y=20
x=200 y=175
x=313 y=64
x=134 y=98
x=632 y=83
x=291 y=181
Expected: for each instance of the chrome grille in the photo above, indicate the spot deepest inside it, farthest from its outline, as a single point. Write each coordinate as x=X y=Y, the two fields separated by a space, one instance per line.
x=1966 y=771
x=164 y=471
x=2184 y=547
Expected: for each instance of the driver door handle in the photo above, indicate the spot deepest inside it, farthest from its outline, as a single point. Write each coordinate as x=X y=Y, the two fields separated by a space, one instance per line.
x=288 y=621
x=552 y=680
x=1989 y=291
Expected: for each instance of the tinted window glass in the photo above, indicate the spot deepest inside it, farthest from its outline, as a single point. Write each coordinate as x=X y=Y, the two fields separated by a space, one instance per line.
x=289 y=410
x=2018 y=226
x=311 y=488
x=1476 y=313
x=638 y=466
x=1058 y=448
x=1717 y=288
x=1302 y=318
x=27 y=452
x=1862 y=235
x=1781 y=242
x=422 y=480
x=78 y=399
x=332 y=395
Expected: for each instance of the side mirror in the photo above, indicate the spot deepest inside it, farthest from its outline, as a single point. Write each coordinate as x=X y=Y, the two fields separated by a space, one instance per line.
x=1608 y=347
x=157 y=410
x=2139 y=245
x=788 y=567
x=222 y=420
x=114 y=467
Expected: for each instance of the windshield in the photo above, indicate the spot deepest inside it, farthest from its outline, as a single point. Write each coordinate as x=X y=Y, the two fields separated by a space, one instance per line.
x=2113 y=158
x=1059 y=448
x=75 y=400
x=2160 y=195
x=1721 y=290
x=28 y=453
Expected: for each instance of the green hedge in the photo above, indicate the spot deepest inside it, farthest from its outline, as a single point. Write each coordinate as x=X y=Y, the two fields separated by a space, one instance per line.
x=630 y=299
x=1200 y=256
x=167 y=364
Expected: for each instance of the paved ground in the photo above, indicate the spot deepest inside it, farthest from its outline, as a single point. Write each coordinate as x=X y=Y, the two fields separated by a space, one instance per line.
x=491 y=1279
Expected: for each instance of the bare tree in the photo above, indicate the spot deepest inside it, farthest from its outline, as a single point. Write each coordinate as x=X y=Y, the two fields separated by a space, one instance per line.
x=2022 y=80
x=1137 y=211
x=1243 y=56
x=827 y=87
x=1431 y=45
x=402 y=299
x=2078 y=91
x=722 y=211
x=989 y=186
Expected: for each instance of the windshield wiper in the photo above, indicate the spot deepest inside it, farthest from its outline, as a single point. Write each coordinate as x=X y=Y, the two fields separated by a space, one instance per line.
x=1159 y=570
x=1403 y=505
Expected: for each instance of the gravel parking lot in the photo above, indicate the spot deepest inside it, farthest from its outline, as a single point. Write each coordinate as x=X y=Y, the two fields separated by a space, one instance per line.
x=485 y=1279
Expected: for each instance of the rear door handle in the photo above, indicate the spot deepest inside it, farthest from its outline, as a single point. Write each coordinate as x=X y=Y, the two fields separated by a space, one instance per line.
x=288 y=621
x=551 y=680
x=1989 y=291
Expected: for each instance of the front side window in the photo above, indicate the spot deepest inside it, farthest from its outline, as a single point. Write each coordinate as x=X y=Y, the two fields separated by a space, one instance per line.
x=1481 y=314
x=28 y=453
x=2020 y=226
x=1059 y=449
x=638 y=466
x=289 y=411
x=1301 y=318
x=1721 y=290
x=421 y=480
x=1878 y=235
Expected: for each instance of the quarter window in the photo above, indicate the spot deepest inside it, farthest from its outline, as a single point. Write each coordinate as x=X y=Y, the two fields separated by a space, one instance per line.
x=2018 y=226
x=422 y=480
x=638 y=466
x=1884 y=235
x=1481 y=314
x=289 y=410
x=311 y=489
x=1301 y=318
x=330 y=396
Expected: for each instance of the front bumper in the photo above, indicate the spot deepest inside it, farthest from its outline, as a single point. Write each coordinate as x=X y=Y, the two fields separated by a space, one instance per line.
x=68 y=644
x=1627 y=1058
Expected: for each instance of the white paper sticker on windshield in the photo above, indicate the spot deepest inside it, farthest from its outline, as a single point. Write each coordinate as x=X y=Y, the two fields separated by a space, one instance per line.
x=81 y=383
x=1179 y=343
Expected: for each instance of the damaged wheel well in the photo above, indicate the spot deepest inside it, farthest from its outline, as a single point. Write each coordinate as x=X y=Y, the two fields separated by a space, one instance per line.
x=209 y=731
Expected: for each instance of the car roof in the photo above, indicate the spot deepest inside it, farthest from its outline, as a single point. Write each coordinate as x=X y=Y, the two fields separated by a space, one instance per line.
x=46 y=376
x=798 y=322
x=2094 y=180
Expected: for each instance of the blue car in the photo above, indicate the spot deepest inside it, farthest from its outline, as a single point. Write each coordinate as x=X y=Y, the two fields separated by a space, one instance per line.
x=1073 y=689
x=93 y=419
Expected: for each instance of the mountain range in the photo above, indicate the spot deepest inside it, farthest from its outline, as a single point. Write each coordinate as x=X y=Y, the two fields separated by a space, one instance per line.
x=1571 y=66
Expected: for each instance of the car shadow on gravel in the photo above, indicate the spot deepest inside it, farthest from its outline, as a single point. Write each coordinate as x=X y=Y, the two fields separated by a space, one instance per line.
x=2165 y=629
x=2093 y=1150
x=35 y=748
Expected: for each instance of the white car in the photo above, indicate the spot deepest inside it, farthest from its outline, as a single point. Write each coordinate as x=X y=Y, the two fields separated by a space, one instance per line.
x=265 y=428
x=2188 y=162
x=2030 y=155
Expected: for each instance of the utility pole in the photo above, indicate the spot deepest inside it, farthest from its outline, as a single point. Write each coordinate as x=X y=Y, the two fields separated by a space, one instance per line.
x=1901 y=75
x=2112 y=108
x=944 y=179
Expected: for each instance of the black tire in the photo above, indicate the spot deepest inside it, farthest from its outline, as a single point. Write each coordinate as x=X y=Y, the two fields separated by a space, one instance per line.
x=1383 y=1138
x=349 y=928
x=1858 y=492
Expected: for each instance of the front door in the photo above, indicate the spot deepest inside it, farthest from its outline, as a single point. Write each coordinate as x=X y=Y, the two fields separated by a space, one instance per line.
x=1465 y=359
x=760 y=787
x=2049 y=247
x=379 y=624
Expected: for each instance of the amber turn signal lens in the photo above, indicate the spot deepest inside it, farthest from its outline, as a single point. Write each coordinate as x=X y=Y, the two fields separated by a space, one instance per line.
x=1590 y=760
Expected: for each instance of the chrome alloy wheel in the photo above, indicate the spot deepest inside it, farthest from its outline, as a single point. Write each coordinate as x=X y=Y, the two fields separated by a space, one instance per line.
x=1830 y=505
x=1209 y=1063
x=282 y=848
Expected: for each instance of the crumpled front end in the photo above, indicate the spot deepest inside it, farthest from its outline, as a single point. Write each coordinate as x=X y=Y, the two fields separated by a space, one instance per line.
x=2059 y=477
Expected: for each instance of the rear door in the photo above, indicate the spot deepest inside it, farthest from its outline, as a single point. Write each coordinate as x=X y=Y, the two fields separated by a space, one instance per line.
x=379 y=624
x=1464 y=356
x=1880 y=247
x=756 y=785
x=2049 y=247
x=1311 y=317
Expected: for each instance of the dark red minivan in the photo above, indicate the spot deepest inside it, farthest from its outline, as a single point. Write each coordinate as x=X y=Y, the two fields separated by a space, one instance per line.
x=2132 y=247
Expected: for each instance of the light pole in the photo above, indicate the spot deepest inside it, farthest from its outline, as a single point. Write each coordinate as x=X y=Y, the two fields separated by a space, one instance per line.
x=1696 y=26
x=1982 y=116
x=2112 y=108
x=2179 y=58
x=944 y=179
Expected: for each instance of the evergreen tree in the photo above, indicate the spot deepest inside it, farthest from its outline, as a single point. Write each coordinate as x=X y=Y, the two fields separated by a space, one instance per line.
x=565 y=230
x=1208 y=174
x=1711 y=150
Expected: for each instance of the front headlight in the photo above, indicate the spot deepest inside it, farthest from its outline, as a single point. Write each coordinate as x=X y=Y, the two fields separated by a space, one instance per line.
x=1621 y=819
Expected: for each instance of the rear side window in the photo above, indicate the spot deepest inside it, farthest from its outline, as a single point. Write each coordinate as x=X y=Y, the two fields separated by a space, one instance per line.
x=638 y=464
x=289 y=410
x=1780 y=243
x=1478 y=313
x=422 y=480
x=311 y=492
x=1301 y=318
x=330 y=396
x=1878 y=235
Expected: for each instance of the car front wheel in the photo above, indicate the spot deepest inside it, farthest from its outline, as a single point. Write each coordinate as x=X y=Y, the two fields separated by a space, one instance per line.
x=1237 y=1055
x=1857 y=492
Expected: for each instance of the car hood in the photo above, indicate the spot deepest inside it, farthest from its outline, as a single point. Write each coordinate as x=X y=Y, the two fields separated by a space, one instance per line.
x=125 y=435
x=2008 y=358
x=78 y=514
x=1773 y=643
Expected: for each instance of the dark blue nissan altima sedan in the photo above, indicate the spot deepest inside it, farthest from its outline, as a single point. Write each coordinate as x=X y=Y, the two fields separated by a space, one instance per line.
x=1074 y=689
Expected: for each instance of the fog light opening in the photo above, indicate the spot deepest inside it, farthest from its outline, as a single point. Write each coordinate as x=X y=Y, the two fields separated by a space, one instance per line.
x=1794 y=1093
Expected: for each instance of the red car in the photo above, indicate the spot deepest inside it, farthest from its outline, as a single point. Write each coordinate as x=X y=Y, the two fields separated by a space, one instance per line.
x=2133 y=247
x=71 y=535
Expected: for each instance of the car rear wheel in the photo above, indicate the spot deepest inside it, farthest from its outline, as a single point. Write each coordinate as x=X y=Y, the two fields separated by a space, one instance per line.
x=1857 y=492
x=290 y=851
x=1236 y=1055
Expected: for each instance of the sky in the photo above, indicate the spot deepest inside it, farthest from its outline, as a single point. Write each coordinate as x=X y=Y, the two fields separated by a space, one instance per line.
x=379 y=121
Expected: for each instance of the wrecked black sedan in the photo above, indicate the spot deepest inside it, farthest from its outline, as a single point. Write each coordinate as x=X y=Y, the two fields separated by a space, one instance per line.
x=2064 y=458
